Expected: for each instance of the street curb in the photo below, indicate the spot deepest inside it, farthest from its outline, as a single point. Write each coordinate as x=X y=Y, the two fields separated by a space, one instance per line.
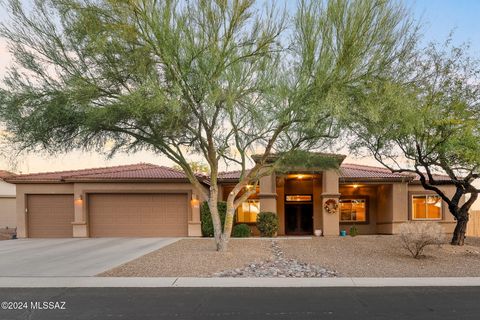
x=184 y=282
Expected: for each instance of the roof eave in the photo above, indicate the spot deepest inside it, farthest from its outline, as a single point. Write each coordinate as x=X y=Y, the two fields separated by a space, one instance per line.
x=35 y=181
x=353 y=179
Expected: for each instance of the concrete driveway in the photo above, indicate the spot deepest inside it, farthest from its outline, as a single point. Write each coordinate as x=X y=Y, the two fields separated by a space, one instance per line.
x=72 y=257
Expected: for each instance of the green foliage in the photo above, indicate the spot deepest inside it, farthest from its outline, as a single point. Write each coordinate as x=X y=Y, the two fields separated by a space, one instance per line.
x=206 y=217
x=241 y=230
x=429 y=115
x=267 y=224
x=353 y=231
x=301 y=160
x=214 y=79
x=166 y=75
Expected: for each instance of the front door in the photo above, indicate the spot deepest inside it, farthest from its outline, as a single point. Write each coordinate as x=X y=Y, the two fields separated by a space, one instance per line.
x=299 y=219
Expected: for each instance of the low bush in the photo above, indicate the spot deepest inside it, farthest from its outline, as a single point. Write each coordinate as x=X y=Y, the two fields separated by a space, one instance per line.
x=267 y=224
x=241 y=231
x=353 y=231
x=206 y=217
x=415 y=236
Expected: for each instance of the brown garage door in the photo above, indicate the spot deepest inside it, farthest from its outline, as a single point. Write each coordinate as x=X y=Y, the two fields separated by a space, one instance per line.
x=138 y=215
x=50 y=215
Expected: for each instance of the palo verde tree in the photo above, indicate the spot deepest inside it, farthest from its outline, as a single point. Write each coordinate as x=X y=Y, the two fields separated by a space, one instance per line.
x=220 y=79
x=427 y=123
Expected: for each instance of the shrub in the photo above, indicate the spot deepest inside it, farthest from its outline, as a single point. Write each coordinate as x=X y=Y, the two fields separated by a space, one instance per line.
x=241 y=231
x=415 y=236
x=353 y=231
x=267 y=224
x=206 y=217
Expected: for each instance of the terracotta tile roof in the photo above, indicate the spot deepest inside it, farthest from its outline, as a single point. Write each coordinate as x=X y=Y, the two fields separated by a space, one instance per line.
x=141 y=171
x=356 y=172
x=351 y=172
x=439 y=177
x=4 y=174
x=348 y=172
x=151 y=172
x=230 y=175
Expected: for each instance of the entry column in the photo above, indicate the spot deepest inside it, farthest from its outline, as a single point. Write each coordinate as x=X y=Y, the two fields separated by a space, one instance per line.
x=330 y=203
x=80 y=228
x=268 y=193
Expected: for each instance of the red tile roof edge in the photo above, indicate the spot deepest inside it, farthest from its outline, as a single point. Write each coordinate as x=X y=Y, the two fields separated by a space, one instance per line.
x=4 y=174
x=89 y=174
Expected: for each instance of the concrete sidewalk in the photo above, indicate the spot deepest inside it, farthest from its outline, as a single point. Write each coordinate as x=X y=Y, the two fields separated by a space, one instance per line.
x=96 y=282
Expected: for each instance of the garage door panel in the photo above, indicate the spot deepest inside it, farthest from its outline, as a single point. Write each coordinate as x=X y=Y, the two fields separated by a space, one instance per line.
x=50 y=216
x=138 y=215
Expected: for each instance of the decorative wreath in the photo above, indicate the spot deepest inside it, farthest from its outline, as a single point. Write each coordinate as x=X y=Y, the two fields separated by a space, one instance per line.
x=331 y=206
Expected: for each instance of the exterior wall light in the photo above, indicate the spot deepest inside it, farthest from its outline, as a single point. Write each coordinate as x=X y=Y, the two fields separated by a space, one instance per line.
x=300 y=176
x=79 y=201
x=355 y=186
x=195 y=203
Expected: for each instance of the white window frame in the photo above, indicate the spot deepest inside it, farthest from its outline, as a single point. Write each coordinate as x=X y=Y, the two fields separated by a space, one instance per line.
x=425 y=195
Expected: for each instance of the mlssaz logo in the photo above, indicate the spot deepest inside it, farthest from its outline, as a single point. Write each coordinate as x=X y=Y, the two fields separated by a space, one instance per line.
x=47 y=305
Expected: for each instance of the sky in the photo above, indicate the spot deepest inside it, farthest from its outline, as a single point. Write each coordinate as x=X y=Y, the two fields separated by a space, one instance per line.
x=439 y=18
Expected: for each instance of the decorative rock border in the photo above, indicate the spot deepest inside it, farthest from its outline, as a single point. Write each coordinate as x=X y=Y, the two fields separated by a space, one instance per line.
x=279 y=266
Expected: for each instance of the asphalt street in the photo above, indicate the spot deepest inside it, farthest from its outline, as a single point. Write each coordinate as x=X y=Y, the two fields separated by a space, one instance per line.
x=242 y=303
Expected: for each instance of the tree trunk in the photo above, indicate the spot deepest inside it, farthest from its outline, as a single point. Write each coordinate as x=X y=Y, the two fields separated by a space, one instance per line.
x=213 y=205
x=222 y=245
x=460 y=229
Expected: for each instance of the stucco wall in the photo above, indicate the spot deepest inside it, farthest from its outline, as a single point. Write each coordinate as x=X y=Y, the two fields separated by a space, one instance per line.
x=81 y=191
x=7 y=189
x=7 y=205
x=447 y=221
x=7 y=212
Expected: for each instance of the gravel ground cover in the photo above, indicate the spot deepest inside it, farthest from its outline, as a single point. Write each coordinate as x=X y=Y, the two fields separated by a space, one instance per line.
x=382 y=256
x=361 y=256
x=194 y=258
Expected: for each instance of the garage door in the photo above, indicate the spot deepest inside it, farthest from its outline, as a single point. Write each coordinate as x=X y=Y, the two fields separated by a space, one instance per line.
x=50 y=216
x=138 y=215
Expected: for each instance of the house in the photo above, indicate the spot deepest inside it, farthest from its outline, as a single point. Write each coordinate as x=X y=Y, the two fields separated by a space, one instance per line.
x=146 y=200
x=8 y=217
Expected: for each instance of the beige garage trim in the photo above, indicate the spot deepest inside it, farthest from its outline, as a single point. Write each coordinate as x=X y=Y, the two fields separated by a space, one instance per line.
x=138 y=215
x=50 y=215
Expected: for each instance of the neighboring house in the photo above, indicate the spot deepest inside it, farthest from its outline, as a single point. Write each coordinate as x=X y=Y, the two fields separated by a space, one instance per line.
x=8 y=217
x=146 y=200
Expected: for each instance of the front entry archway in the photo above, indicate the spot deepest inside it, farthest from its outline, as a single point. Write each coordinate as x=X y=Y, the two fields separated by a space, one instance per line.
x=298 y=218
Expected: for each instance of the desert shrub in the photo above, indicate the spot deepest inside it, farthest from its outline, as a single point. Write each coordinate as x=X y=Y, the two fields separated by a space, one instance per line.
x=415 y=236
x=267 y=224
x=353 y=231
x=241 y=231
x=206 y=217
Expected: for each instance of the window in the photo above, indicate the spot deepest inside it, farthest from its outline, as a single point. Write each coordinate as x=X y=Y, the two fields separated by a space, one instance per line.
x=298 y=198
x=353 y=210
x=247 y=211
x=426 y=207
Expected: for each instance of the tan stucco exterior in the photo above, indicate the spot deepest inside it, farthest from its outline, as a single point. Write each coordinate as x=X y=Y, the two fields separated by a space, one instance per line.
x=388 y=202
x=7 y=212
x=7 y=205
x=81 y=191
